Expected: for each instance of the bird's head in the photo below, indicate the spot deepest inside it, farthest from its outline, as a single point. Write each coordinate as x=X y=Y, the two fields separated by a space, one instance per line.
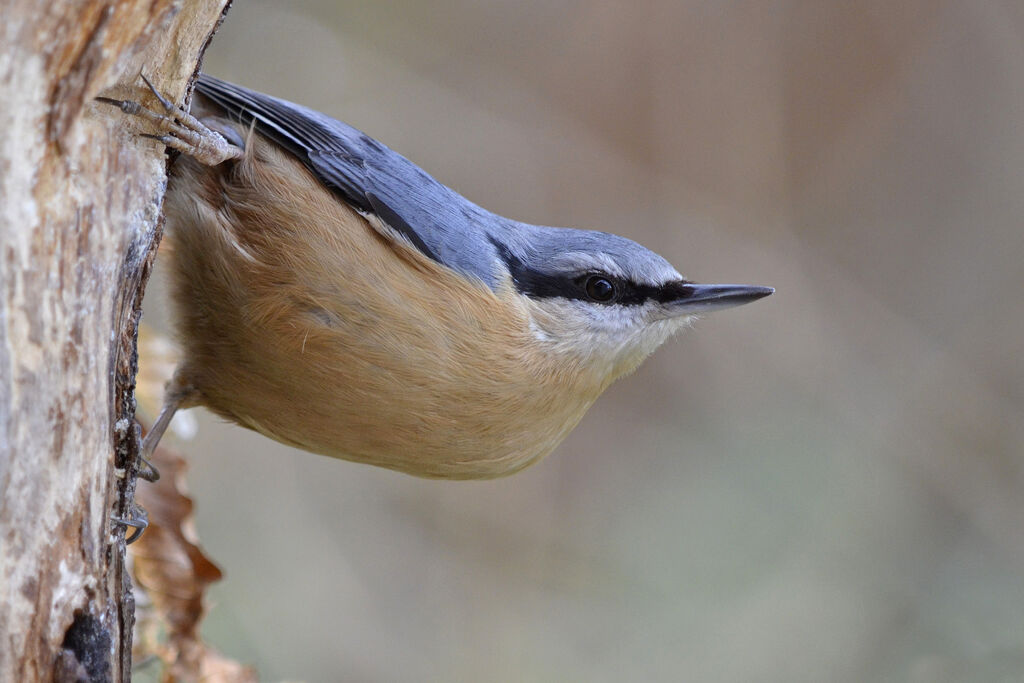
x=603 y=298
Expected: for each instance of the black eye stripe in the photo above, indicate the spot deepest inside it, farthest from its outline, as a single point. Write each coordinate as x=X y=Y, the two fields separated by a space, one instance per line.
x=671 y=291
x=539 y=285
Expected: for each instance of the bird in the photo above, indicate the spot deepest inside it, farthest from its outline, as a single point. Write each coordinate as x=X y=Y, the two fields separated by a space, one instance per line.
x=333 y=296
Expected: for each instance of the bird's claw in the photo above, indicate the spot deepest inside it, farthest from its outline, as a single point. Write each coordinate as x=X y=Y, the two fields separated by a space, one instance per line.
x=138 y=521
x=178 y=129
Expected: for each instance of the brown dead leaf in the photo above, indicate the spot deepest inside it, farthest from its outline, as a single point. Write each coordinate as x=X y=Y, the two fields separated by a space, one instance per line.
x=169 y=565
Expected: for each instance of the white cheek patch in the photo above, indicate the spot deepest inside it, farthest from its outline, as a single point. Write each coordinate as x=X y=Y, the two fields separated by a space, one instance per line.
x=595 y=330
x=658 y=332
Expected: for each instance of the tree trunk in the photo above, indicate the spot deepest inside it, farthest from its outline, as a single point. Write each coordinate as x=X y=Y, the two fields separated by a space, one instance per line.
x=79 y=224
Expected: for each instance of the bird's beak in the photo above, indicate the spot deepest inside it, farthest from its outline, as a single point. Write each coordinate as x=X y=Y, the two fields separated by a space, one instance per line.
x=693 y=298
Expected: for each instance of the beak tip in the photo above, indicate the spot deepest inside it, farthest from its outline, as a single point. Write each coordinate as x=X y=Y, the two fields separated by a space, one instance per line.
x=747 y=295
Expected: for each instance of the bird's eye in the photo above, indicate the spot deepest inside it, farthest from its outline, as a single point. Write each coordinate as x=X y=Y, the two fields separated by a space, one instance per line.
x=600 y=288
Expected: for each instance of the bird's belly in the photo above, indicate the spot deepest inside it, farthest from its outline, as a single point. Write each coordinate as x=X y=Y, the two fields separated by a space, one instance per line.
x=422 y=425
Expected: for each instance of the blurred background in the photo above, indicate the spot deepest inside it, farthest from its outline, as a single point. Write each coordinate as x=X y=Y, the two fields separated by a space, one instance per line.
x=825 y=485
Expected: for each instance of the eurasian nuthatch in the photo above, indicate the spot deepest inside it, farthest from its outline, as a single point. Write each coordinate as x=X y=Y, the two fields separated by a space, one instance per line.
x=333 y=296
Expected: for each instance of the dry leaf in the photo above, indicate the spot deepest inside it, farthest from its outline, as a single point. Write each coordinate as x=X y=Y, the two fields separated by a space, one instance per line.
x=168 y=564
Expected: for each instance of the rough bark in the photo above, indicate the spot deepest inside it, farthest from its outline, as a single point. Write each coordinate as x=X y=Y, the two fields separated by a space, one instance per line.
x=79 y=226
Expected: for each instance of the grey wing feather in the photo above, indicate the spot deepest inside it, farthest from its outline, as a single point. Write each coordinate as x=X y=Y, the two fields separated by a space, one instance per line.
x=373 y=179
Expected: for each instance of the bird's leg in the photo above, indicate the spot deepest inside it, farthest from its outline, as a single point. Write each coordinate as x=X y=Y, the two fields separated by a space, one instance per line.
x=174 y=397
x=146 y=469
x=180 y=130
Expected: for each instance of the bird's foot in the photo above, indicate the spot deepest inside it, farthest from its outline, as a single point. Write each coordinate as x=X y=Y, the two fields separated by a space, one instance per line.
x=179 y=130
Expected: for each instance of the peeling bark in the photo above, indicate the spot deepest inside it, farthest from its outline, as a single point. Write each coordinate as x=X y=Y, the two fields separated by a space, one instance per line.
x=79 y=227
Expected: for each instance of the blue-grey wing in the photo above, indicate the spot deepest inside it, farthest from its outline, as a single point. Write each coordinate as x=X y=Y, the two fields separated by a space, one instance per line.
x=372 y=178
